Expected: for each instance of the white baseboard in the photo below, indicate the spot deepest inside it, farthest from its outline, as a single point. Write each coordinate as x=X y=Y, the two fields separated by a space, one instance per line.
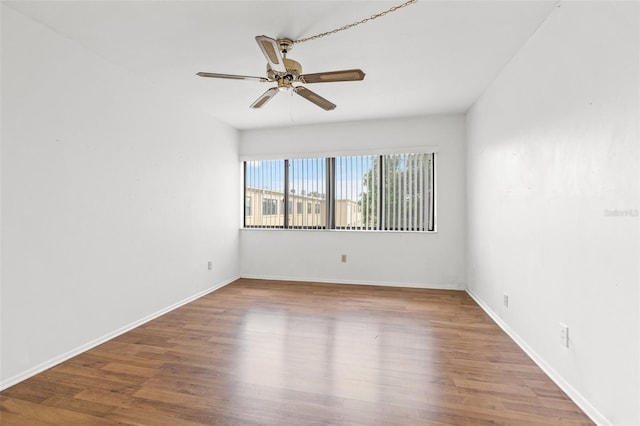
x=354 y=282
x=92 y=344
x=571 y=392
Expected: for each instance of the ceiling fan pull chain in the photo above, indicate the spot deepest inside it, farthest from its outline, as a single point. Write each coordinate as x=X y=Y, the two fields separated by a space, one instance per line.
x=365 y=20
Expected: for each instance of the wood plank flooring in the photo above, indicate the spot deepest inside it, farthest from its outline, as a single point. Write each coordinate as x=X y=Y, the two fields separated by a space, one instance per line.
x=289 y=353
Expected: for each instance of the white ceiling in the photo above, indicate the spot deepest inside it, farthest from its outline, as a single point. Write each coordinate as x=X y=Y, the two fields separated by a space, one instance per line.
x=428 y=58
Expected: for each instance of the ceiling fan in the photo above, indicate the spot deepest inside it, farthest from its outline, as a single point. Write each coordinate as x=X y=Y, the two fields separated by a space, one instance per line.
x=285 y=72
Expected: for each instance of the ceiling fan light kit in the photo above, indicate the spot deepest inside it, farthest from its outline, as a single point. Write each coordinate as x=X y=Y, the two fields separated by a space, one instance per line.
x=284 y=71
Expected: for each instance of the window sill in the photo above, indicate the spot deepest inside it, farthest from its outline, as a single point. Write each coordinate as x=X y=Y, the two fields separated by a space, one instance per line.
x=339 y=230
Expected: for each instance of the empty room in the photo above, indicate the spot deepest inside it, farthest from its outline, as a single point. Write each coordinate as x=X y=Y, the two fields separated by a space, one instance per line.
x=320 y=212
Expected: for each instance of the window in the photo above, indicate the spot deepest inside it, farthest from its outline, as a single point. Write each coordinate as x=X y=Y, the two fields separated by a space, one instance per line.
x=370 y=192
x=290 y=204
x=357 y=182
x=269 y=207
x=307 y=183
x=264 y=184
x=407 y=192
x=247 y=205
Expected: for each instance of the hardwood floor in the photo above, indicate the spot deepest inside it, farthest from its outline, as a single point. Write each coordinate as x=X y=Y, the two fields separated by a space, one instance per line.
x=285 y=353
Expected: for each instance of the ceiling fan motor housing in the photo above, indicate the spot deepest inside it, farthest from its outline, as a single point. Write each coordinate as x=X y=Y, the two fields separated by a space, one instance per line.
x=294 y=69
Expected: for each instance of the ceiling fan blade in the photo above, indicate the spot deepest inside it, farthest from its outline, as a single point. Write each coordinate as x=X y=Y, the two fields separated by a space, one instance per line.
x=266 y=97
x=231 y=76
x=328 y=77
x=315 y=98
x=271 y=51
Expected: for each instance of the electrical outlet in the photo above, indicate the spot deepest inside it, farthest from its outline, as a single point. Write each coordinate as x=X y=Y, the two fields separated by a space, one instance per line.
x=564 y=335
x=343 y=258
x=210 y=265
x=505 y=300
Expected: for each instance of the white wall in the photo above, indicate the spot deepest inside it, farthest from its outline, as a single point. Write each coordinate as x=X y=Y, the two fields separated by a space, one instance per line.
x=112 y=201
x=435 y=260
x=552 y=153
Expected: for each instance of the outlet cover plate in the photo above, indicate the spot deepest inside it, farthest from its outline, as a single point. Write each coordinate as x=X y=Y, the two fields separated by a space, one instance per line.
x=564 y=335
